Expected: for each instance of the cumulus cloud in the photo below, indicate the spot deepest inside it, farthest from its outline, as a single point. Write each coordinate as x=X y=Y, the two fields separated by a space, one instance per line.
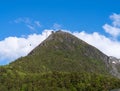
x=30 y=23
x=114 y=29
x=103 y=43
x=12 y=48
x=109 y=46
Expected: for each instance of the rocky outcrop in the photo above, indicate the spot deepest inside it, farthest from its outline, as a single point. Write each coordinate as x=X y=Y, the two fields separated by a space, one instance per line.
x=114 y=65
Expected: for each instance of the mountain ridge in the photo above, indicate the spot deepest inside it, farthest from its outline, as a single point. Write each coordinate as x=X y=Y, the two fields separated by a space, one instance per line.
x=62 y=45
x=62 y=62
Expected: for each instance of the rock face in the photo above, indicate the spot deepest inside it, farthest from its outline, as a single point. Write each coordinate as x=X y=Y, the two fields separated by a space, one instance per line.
x=114 y=65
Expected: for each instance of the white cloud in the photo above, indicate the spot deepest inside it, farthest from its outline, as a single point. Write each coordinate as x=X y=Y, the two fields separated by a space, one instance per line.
x=116 y=19
x=113 y=29
x=37 y=23
x=25 y=20
x=56 y=26
x=12 y=48
x=30 y=23
x=30 y=27
x=109 y=46
x=106 y=45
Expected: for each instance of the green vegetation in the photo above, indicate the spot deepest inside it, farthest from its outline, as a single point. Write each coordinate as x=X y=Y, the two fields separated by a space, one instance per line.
x=56 y=81
x=60 y=63
x=62 y=52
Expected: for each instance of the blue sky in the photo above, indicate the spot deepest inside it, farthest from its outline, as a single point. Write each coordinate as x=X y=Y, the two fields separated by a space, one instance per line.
x=75 y=15
x=22 y=18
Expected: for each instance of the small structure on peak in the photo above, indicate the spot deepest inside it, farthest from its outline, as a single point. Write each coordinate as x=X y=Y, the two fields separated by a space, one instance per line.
x=52 y=32
x=59 y=31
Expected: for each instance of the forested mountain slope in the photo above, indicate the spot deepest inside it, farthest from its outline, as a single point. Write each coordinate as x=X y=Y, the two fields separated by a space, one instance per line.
x=60 y=63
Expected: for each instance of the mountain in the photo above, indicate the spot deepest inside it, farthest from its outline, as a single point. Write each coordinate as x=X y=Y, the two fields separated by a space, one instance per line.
x=60 y=63
x=62 y=51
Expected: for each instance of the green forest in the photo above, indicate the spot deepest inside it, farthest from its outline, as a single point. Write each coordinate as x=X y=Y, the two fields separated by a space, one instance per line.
x=13 y=80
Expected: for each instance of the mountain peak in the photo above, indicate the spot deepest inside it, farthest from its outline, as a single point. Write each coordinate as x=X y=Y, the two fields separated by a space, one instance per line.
x=63 y=52
x=60 y=40
x=61 y=58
